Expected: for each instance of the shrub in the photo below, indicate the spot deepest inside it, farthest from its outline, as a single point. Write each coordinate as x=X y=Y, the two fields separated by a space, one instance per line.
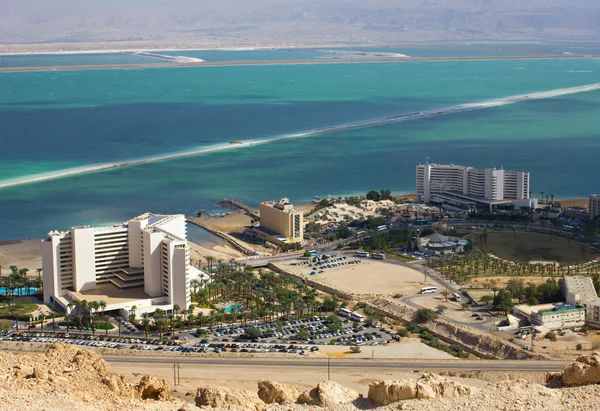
x=403 y=332
x=550 y=336
x=413 y=328
x=579 y=347
x=355 y=349
x=397 y=296
x=425 y=314
x=5 y=325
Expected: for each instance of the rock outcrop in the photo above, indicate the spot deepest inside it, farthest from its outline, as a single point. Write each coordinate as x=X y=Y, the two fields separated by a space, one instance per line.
x=586 y=370
x=328 y=394
x=429 y=386
x=231 y=398
x=272 y=392
x=153 y=388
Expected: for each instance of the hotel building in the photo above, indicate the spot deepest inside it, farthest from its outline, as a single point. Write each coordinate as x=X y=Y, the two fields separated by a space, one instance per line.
x=594 y=205
x=468 y=185
x=580 y=290
x=144 y=262
x=280 y=223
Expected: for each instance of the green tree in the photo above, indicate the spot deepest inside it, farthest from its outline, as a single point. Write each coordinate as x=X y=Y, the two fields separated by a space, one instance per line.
x=252 y=333
x=385 y=194
x=303 y=334
x=307 y=254
x=373 y=195
x=503 y=301
x=425 y=314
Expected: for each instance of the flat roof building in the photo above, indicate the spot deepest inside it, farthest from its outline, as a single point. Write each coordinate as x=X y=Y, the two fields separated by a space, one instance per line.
x=491 y=186
x=556 y=316
x=144 y=262
x=580 y=290
x=594 y=205
x=280 y=222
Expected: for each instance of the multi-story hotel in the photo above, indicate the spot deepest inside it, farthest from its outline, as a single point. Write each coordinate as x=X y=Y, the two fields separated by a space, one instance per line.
x=280 y=222
x=580 y=290
x=594 y=205
x=463 y=184
x=144 y=262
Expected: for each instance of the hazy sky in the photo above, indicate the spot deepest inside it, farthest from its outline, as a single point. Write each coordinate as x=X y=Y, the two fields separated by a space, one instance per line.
x=97 y=20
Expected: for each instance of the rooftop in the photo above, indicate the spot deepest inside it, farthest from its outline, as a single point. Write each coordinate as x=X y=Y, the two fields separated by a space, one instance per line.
x=580 y=285
x=111 y=294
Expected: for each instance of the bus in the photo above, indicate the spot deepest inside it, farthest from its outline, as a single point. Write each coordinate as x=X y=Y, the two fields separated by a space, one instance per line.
x=382 y=228
x=344 y=312
x=428 y=290
x=456 y=296
x=362 y=254
x=379 y=256
x=357 y=317
x=313 y=252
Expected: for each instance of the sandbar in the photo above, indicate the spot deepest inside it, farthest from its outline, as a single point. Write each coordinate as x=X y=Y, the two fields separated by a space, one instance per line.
x=289 y=62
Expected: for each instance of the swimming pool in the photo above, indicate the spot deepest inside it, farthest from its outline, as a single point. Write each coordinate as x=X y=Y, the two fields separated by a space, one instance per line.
x=233 y=307
x=19 y=291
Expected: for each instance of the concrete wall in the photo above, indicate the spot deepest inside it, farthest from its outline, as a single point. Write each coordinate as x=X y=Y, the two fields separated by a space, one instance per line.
x=51 y=281
x=179 y=277
x=152 y=263
x=84 y=255
x=135 y=242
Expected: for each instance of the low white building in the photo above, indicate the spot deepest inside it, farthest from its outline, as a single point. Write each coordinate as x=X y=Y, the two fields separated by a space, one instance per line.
x=142 y=264
x=555 y=316
x=580 y=290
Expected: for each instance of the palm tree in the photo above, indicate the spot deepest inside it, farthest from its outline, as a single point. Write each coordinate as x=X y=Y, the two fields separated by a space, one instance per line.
x=120 y=323
x=145 y=323
x=134 y=310
x=41 y=317
x=105 y=318
x=159 y=318
x=102 y=305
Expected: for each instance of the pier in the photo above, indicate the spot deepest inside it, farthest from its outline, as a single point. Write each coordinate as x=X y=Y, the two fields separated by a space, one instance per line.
x=237 y=206
x=234 y=242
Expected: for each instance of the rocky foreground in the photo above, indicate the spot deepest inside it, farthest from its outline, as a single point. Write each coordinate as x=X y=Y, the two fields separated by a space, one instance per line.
x=68 y=378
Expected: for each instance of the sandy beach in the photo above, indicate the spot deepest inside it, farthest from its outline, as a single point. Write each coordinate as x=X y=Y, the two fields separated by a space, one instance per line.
x=22 y=253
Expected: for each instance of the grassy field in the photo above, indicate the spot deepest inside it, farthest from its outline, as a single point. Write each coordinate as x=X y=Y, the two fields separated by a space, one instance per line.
x=525 y=247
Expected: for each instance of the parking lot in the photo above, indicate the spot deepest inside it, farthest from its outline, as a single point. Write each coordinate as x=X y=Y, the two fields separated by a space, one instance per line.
x=273 y=338
x=318 y=264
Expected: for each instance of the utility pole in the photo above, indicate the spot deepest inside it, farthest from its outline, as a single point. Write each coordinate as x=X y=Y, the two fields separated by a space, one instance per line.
x=178 y=376
x=328 y=368
x=174 y=374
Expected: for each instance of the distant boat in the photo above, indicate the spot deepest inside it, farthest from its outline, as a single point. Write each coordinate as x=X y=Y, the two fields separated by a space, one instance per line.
x=235 y=142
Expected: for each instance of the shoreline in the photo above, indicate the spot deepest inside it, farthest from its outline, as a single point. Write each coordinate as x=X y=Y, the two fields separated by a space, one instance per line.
x=91 y=47
x=292 y=62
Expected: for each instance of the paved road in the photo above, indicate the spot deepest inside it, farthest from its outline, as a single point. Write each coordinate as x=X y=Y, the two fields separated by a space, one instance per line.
x=450 y=365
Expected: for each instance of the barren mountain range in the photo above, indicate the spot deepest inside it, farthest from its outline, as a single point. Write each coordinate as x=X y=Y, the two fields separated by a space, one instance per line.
x=296 y=21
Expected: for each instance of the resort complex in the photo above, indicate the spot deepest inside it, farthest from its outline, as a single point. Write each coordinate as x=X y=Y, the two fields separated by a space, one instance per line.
x=470 y=186
x=280 y=223
x=144 y=262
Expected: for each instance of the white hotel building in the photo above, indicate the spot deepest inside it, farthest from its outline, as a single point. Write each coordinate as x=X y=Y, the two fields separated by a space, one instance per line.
x=594 y=205
x=468 y=185
x=144 y=262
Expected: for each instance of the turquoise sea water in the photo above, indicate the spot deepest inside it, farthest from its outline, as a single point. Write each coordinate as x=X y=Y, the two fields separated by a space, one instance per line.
x=61 y=119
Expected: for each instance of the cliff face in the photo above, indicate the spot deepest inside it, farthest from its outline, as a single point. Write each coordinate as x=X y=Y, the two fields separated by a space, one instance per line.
x=67 y=378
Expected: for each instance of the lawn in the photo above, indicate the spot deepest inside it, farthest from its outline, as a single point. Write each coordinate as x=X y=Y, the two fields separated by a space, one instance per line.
x=522 y=246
